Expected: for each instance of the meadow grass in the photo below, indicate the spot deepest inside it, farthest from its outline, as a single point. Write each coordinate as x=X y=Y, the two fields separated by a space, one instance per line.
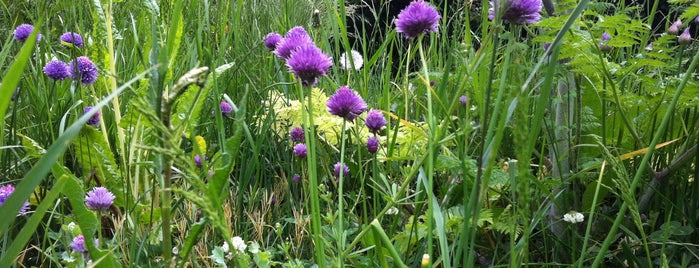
x=506 y=145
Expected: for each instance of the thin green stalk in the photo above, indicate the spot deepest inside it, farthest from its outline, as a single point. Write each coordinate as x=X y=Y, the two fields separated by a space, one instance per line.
x=309 y=133
x=397 y=259
x=644 y=162
x=430 y=151
x=340 y=197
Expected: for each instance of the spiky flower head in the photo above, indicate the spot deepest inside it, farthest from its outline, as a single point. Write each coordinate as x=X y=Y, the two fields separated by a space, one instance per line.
x=308 y=63
x=419 y=17
x=297 y=134
x=71 y=38
x=346 y=103
x=78 y=244
x=675 y=27
x=603 y=46
x=5 y=192
x=374 y=121
x=341 y=167
x=85 y=70
x=95 y=119
x=296 y=178
x=23 y=31
x=352 y=60
x=99 y=199
x=372 y=144
x=300 y=150
x=517 y=11
x=685 y=38
x=57 y=70
x=294 y=39
x=463 y=100
x=272 y=40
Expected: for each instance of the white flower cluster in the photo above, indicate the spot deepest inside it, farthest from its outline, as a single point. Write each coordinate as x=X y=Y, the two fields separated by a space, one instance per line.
x=356 y=63
x=574 y=217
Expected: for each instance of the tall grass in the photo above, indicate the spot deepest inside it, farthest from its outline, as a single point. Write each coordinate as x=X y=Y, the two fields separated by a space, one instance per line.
x=545 y=132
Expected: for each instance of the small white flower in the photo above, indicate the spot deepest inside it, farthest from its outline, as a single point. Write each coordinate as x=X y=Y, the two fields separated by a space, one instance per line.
x=392 y=211
x=71 y=226
x=225 y=247
x=175 y=250
x=574 y=217
x=357 y=60
x=239 y=244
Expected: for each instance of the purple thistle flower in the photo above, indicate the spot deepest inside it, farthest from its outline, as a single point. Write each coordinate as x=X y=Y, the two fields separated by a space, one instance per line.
x=71 y=38
x=297 y=134
x=57 y=70
x=372 y=144
x=95 y=119
x=300 y=150
x=197 y=161
x=603 y=46
x=308 y=63
x=86 y=70
x=341 y=166
x=517 y=11
x=675 y=27
x=296 y=178
x=272 y=40
x=685 y=38
x=463 y=100
x=23 y=31
x=374 y=121
x=78 y=244
x=99 y=199
x=5 y=192
x=294 y=39
x=417 y=18
x=346 y=104
x=606 y=37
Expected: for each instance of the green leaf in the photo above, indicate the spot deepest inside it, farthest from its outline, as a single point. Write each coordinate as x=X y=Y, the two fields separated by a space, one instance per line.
x=10 y=82
x=94 y=155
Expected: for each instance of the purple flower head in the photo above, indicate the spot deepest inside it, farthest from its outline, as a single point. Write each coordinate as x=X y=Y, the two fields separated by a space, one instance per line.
x=606 y=37
x=374 y=121
x=603 y=46
x=341 y=166
x=5 y=192
x=78 y=244
x=463 y=100
x=57 y=70
x=547 y=46
x=517 y=11
x=86 y=71
x=685 y=38
x=72 y=39
x=23 y=31
x=675 y=27
x=346 y=104
x=417 y=18
x=308 y=63
x=649 y=47
x=197 y=161
x=272 y=40
x=372 y=144
x=300 y=150
x=226 y=108
x=99 y=199
x=297 y=134
x=296 y=178
x=95 y=119
x=294 y=39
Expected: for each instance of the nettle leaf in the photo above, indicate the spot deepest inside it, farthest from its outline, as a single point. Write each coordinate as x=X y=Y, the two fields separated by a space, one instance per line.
x=95 y=157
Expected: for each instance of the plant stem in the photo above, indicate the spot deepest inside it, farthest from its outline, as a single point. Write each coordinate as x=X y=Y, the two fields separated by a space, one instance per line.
x=309 y=133
x=340 y=197
x=430 y=150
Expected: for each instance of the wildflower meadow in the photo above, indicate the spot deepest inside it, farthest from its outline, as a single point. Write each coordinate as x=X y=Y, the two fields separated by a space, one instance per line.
x=349 y=133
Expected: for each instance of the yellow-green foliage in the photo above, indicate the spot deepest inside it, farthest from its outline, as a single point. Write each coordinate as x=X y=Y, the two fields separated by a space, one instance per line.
x=410 y=140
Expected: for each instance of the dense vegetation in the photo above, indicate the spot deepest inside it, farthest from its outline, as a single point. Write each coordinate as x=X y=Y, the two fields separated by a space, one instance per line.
x=365 y=134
